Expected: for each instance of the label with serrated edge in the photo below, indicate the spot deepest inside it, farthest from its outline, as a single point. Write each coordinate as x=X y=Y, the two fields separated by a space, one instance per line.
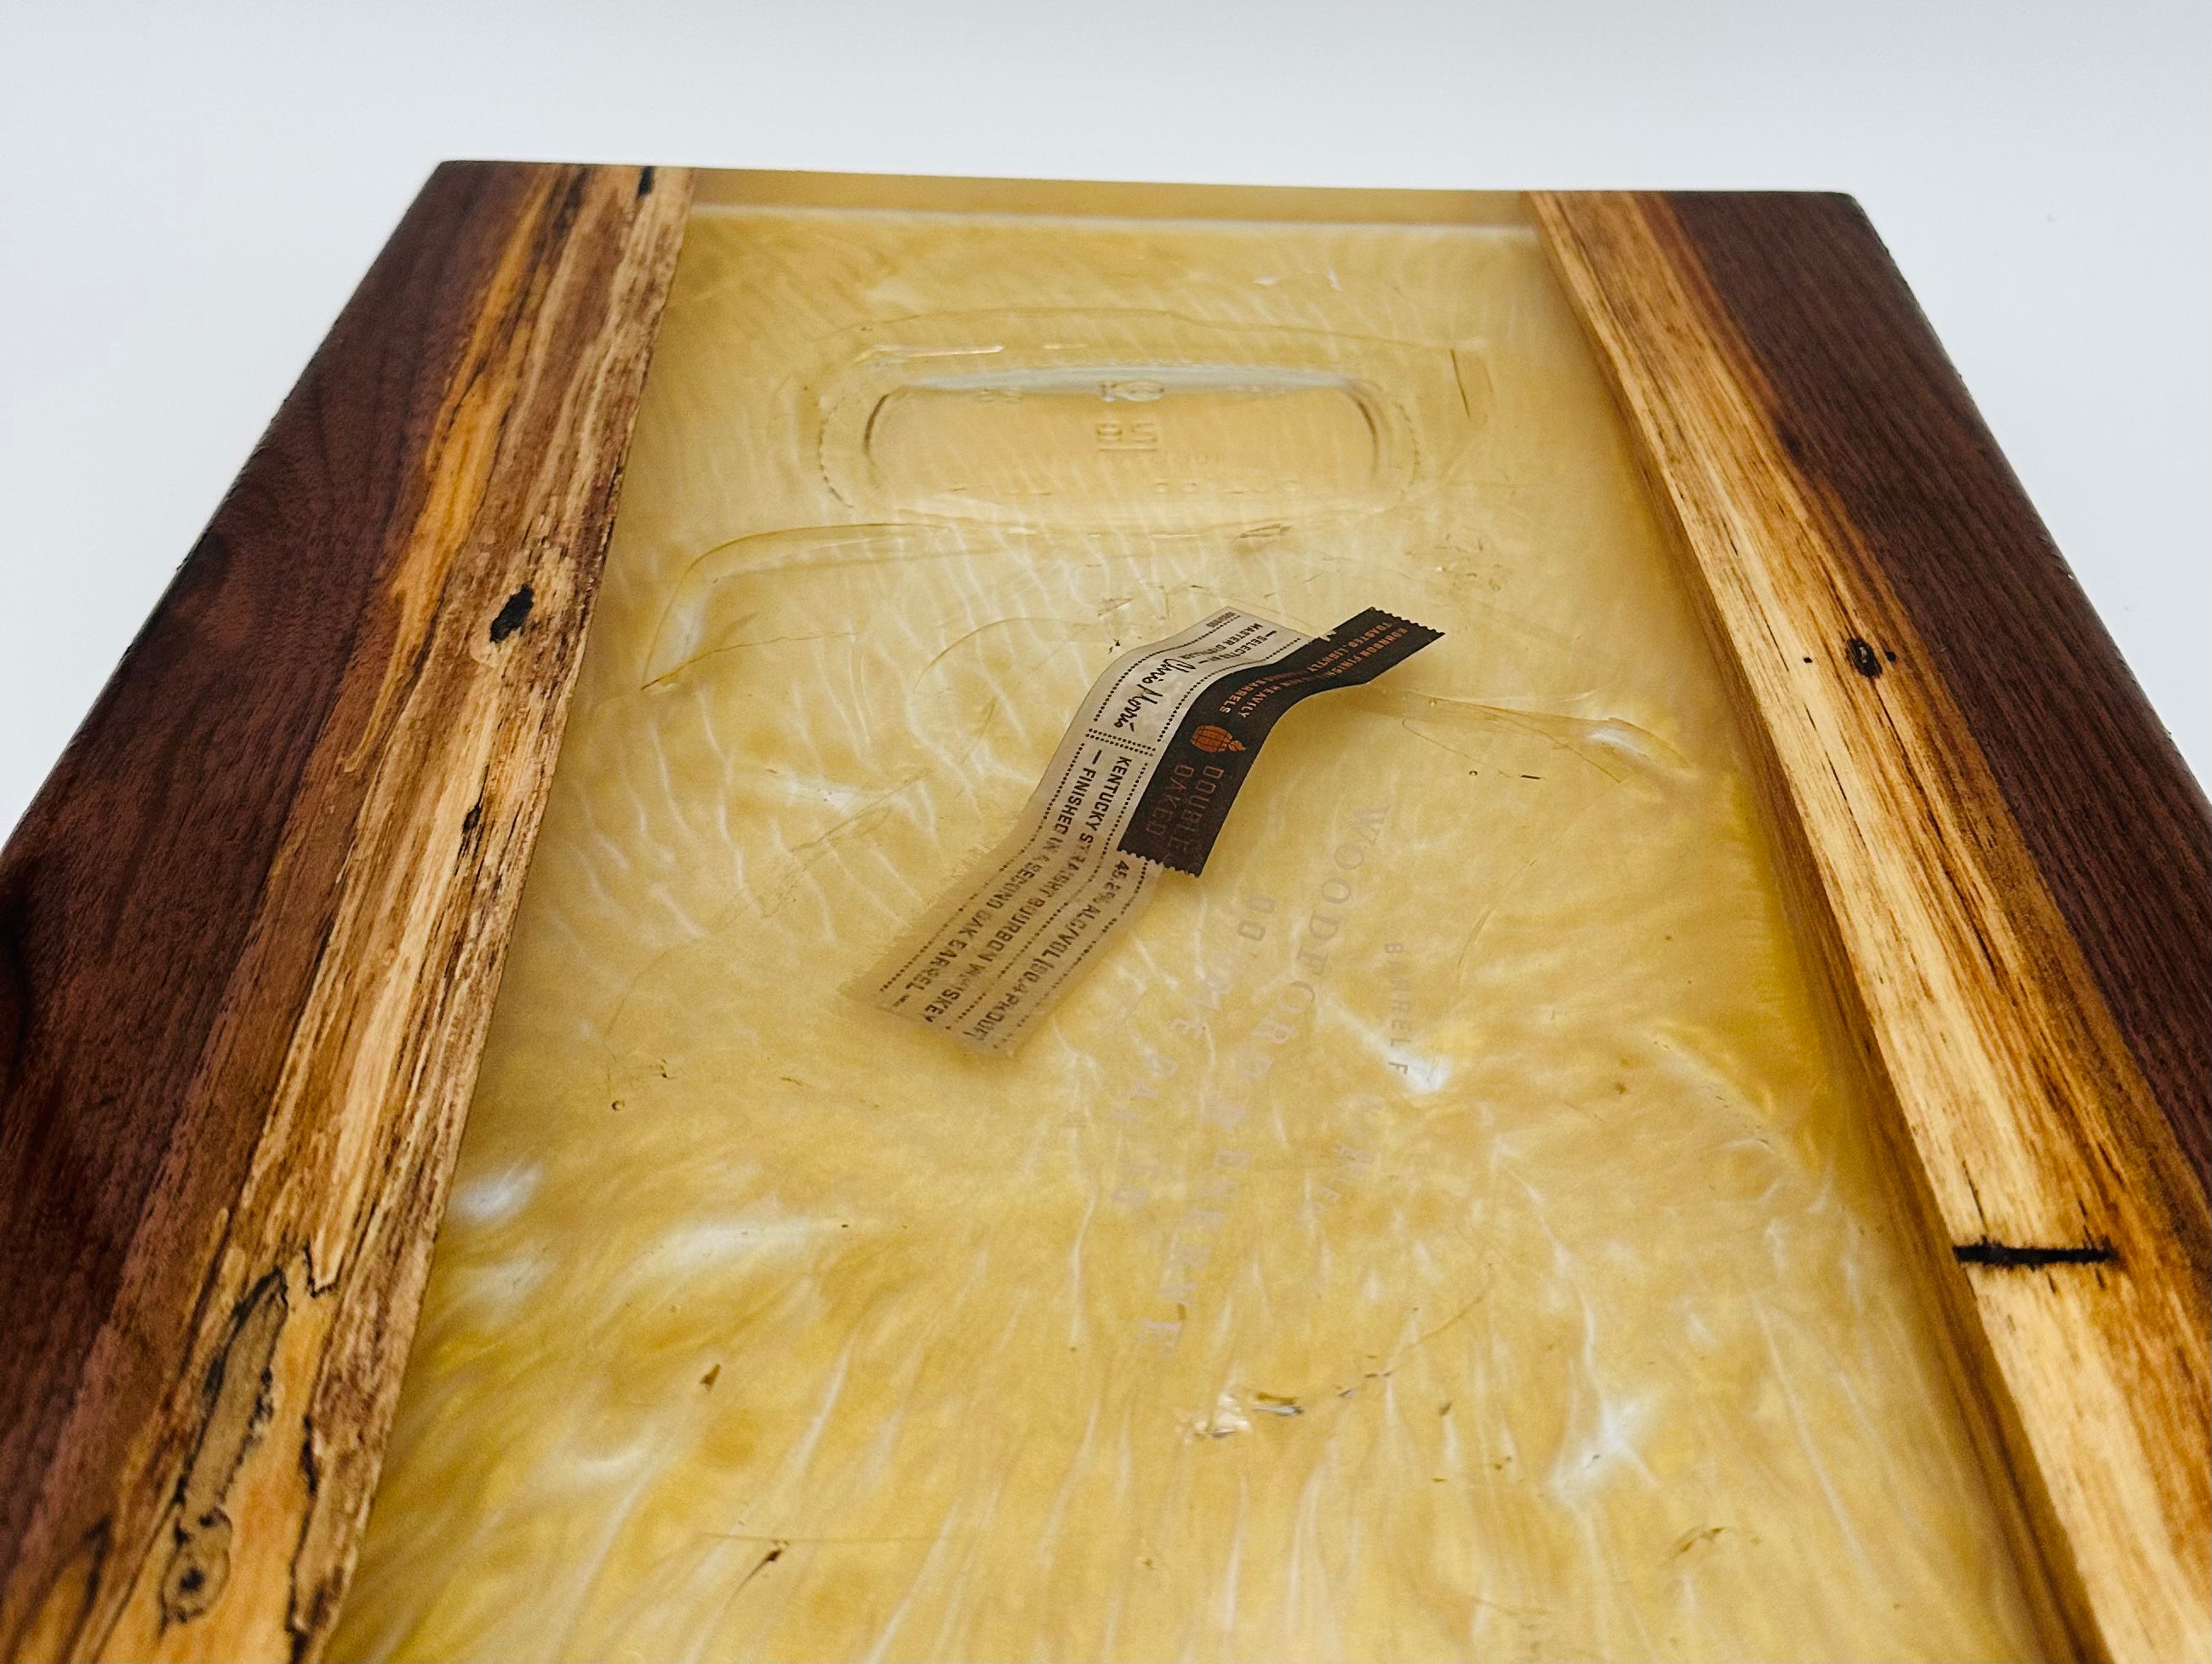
x=1143 y=778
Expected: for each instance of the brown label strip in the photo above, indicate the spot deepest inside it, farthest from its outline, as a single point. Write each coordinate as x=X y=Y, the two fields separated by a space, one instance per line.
x=1187 y=800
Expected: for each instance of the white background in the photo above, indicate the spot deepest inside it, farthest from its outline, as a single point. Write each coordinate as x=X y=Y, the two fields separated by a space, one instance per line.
x=190 y=191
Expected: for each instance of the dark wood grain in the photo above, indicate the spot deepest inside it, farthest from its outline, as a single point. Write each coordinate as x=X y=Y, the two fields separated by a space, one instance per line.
x=1843 y=519
x=251 y=930
x=1874 y=415
x=251 y=923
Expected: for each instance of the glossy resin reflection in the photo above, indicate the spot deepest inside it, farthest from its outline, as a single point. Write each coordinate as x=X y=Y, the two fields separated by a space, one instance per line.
x=1444 y=1230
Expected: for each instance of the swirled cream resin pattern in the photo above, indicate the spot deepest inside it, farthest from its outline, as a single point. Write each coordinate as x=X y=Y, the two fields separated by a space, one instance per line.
x=1447 y=1229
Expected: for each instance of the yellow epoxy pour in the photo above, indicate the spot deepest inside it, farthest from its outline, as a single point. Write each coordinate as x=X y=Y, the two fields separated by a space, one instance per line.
x=1445 y=1230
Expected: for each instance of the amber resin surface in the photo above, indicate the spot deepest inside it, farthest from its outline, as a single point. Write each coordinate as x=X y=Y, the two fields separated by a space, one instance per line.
x=1447 y=1228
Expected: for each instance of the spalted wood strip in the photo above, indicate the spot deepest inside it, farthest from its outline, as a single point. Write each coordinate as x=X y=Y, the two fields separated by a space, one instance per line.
x=250 y=929
x=1880 y=424
x=130 y=890
x=2071 y=1235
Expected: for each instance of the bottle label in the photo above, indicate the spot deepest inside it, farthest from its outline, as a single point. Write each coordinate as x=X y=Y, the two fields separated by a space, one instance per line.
x=1143 y=780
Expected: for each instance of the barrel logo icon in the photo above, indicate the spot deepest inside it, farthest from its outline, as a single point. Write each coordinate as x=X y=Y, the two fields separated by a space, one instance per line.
x=1211 y=738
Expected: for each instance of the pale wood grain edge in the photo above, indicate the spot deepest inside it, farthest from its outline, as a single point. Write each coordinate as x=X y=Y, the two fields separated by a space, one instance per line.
x=238 y=1511
x=2021 y=1116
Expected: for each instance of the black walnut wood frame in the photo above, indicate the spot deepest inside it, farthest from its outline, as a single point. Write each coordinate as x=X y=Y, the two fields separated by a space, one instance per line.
x=250 y=928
